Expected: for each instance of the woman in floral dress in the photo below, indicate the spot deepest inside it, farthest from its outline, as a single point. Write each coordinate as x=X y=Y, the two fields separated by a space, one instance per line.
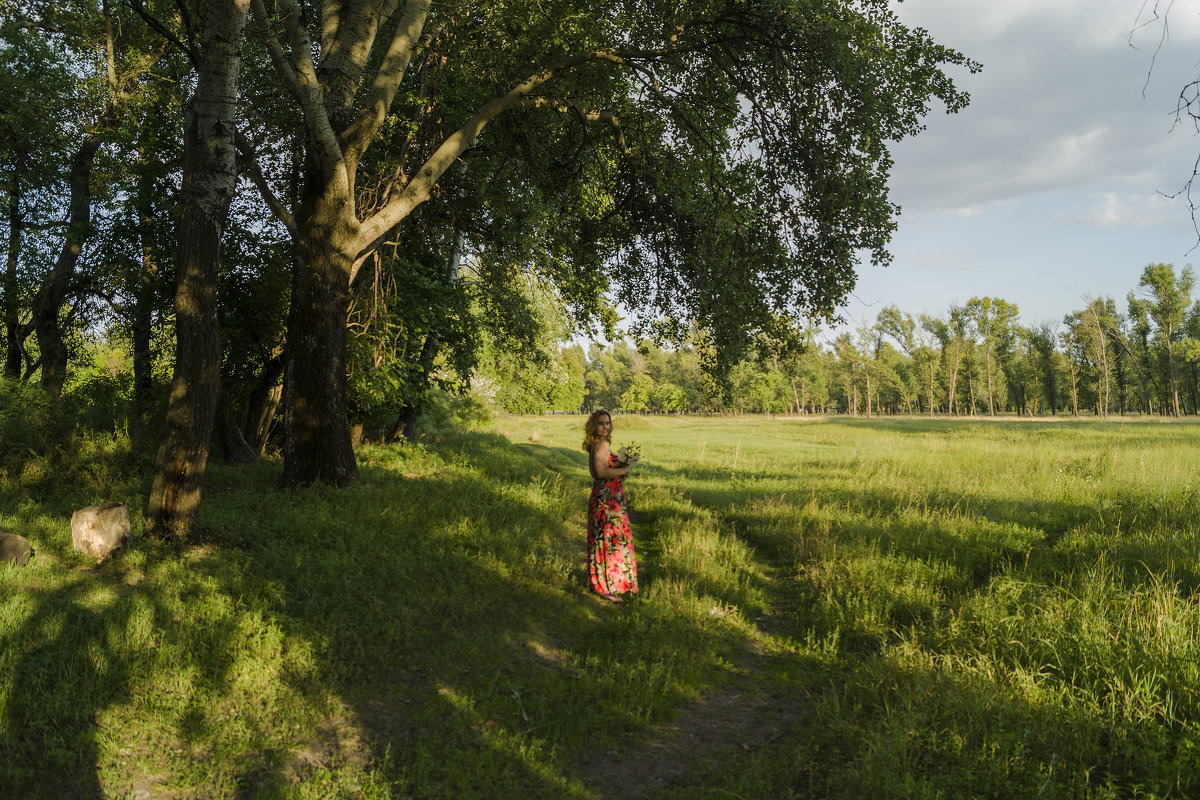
x=612 y=567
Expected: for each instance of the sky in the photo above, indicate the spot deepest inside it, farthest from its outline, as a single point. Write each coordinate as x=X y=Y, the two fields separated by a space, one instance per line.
x=1048 y=189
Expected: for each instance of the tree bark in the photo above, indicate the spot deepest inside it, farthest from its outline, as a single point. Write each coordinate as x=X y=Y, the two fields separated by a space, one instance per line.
x=317 y=446
x=52 y=295
x=14 y=336
x=234 y=446
x=261 y=404
x=208 y=184
x=142 y=327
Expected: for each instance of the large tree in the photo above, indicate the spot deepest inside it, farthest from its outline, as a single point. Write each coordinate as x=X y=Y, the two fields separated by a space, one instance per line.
x=992 y=320
x=209 y=180
x=1165 y=304
x=744 y=146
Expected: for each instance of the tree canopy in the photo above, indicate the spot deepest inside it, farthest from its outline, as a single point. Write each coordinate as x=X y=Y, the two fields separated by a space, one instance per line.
x=711 y=166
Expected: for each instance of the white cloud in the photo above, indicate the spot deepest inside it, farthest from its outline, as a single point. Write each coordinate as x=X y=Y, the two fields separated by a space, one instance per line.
x=1063 y=102
x=1117 y=210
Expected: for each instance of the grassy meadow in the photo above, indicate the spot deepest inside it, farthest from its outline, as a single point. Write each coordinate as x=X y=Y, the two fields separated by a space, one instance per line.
x=830 y=608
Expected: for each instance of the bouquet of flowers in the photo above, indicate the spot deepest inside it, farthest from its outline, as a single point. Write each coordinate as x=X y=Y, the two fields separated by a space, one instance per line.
x=628 y=455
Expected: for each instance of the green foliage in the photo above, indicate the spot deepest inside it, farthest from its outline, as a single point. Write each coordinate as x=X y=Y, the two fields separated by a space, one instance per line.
x=446 y=413
x=522 y=361
x=30 y=421
x=102 y=388
x=637 y=396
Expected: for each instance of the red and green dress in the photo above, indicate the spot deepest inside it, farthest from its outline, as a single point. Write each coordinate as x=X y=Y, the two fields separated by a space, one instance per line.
x=612 y=566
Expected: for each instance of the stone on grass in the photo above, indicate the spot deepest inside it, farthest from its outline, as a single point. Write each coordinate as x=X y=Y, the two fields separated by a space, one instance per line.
x=14 y=550
x=98 y=530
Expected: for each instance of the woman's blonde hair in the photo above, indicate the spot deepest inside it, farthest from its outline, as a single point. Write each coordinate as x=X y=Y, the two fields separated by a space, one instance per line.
x=590 y=434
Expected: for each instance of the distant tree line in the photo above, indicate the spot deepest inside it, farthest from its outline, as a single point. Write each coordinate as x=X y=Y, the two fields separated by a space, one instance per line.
x=1138 y=357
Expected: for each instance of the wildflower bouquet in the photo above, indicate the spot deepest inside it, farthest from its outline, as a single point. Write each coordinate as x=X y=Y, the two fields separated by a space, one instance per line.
x=628 y=455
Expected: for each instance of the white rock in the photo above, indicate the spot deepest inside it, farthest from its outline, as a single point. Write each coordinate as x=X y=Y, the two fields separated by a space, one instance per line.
x=98 y=530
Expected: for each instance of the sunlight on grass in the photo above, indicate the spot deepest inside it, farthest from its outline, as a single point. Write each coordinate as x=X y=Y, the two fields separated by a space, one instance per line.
x=945 y=609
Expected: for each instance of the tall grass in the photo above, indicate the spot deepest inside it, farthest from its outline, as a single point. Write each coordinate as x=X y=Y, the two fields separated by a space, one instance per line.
x=984 y=610
x=901 y=608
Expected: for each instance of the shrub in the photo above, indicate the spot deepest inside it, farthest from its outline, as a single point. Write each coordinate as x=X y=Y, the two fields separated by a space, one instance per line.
x=31 y=421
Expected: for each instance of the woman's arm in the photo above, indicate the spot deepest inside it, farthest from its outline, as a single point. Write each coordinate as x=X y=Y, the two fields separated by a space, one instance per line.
x=600 y=467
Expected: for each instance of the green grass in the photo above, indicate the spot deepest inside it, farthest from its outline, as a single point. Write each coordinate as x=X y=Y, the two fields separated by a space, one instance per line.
x=848 y=608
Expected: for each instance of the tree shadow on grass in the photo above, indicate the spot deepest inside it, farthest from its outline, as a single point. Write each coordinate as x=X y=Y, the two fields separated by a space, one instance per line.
x=61 y=670
x=423 y=633
x=451 y=635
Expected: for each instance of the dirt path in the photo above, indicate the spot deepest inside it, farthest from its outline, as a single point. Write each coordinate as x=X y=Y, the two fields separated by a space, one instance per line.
x=730 y=723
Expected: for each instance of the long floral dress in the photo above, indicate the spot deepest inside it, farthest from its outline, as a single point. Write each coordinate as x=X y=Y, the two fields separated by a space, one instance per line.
x=612 y=566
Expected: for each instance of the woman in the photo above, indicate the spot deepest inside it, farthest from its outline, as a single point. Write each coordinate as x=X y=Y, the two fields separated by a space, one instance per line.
x=612 y=567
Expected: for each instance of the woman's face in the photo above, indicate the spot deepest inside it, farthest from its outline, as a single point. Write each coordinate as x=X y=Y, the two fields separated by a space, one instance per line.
x=604 y=426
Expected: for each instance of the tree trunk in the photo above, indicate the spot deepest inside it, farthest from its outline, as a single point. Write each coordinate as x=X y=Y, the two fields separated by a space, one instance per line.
x=1102 y=387
x=971 y=389
x=234 y=446
x=1171 y=376
x=209 y=180
x=931 y=375
x=52 y=295
x=14 y=336
x=141 y=332
x=261 y=404
x=317 y=445
x=867 y=374
x=1074 y=376
x=952 y=389
x=142 y=327
x=987 y=361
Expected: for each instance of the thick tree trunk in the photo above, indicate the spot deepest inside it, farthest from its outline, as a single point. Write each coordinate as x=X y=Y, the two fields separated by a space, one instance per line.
x=317 y=445
x=208 y=185
x=52 y=295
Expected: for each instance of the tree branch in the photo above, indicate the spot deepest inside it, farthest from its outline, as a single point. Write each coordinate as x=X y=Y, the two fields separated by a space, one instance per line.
x=418 y=189
x=584 y=116
x=189 y=24
x=253 y=170
x=275 y=50
x=301 y=78
x=110 y=58
x=387 y=80
x=187 y=49
x=344 y=55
